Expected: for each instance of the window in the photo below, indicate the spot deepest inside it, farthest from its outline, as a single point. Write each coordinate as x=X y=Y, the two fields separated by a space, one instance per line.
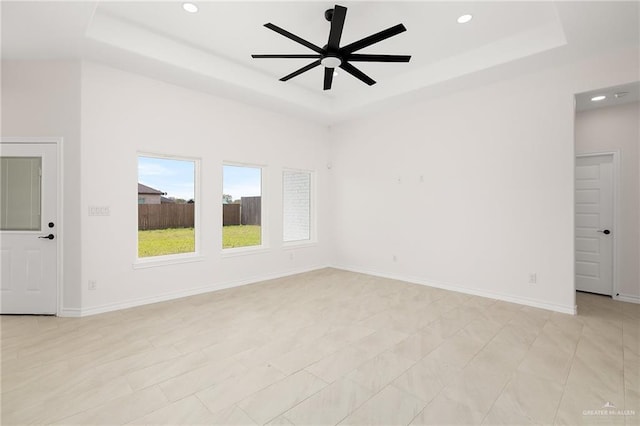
x=241 y=206
x=296 y=196
x=166 y=206
x=21 y=192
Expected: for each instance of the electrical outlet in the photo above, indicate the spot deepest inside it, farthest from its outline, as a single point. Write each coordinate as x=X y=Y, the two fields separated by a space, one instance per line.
x=395 y=258
x=533 y=277
x=93 y=285
x=291 y=256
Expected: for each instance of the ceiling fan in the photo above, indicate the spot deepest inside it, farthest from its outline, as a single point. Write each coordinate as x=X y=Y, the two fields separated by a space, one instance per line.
x=332 y=55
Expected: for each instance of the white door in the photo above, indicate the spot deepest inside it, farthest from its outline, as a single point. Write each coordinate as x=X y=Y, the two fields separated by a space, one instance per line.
x=594 y=221
x=28 y=228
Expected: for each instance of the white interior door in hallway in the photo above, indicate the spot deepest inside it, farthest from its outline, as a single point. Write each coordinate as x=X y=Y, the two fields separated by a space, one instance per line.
x=28 y=228
x=594 y=231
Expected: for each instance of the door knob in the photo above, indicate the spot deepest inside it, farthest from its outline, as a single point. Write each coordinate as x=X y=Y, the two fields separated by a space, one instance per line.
x=604 y=231
x=48 y=237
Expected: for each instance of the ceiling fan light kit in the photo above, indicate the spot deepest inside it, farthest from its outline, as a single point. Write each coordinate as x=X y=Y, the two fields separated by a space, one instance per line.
x=332 y=56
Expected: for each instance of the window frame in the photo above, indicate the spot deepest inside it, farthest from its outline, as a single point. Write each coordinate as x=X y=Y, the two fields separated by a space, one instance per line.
x=171 y=259
x=263 y=246
x=312 y=210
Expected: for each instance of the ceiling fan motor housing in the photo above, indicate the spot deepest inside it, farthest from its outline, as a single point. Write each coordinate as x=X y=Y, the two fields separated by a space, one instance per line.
x=332 y=55
x=328 y=14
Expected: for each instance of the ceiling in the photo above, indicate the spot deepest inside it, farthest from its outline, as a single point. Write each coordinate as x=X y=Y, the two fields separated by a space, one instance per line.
x=613 y=96
x=211 y=50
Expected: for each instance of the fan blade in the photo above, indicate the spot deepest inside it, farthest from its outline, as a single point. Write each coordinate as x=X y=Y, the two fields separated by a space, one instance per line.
x=310 y=56
x=301 y=70
x=294 y=37
x=328 y=78
x=372 y=39
x=337 y=24
x=357 y=73
x=378 y=58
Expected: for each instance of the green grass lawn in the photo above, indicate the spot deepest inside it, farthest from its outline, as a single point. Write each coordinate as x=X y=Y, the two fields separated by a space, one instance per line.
x=240 y=236
x=161 y=242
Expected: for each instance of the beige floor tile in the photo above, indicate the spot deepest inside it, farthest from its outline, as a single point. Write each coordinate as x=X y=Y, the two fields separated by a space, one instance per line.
x=188 y=411
x=444 y=411
x=200 y=378
x=547 y=360
x=484 y=329
x=304 y=356
x=426 y=378
x=212 y=352
x=138 y=361
x=418 y=345
x=340 y=363
x=160 y=372
x=274 y=400
x=390 y=406
x=381 y=340
x=477 y=389
x=583 y=405
x=380 y=371
x=526 y=399
x=330 y=405
x=63 y=403
x=121 y=410
x=236 y=388
x=602 y=375
x=502 y=354
x=632 y=405
x=458 y=350
x=233 y=415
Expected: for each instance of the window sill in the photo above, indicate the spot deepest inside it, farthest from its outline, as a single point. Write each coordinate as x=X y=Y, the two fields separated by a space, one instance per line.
x=243 y=251
x=153 y=262
x=299 y=244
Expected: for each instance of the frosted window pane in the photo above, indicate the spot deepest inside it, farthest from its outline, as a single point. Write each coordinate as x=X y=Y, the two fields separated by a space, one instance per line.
x=20 y=193
x=297 y=205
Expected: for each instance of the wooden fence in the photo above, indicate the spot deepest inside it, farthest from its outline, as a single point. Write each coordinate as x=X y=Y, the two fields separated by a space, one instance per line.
x=248 y=212
x=163 y=216
x=230 y=214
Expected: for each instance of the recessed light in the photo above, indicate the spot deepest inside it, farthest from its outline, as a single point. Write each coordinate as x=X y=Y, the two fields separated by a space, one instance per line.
x=621 y=95
x=464 y=19
x=190 y=7
x=598 y=98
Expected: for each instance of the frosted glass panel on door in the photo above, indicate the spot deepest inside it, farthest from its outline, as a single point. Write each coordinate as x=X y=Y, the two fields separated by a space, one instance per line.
x=20 y=193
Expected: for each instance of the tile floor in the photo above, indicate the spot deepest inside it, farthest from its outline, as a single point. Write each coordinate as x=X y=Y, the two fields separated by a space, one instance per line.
x=326 y=347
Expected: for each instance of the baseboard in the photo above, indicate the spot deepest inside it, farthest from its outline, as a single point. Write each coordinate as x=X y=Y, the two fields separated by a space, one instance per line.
x=109 y=307
x=70 y=312
x=571 y=310
x=627 y=298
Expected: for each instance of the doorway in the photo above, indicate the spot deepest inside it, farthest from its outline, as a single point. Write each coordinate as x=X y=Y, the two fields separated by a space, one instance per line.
x=29 y=189
x=594 y=220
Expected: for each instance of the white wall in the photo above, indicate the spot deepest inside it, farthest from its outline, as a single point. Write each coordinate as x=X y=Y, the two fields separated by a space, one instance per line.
x=473 y=191
x=618 y=129
x=123 y=114
x=42 y=99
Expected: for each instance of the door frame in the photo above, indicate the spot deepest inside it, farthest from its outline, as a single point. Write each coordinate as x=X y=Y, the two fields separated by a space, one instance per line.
x=615 y=154
x=58 y=142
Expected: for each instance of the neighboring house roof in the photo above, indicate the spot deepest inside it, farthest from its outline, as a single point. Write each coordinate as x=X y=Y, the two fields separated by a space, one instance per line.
x=165 y=200
x=144 y=189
